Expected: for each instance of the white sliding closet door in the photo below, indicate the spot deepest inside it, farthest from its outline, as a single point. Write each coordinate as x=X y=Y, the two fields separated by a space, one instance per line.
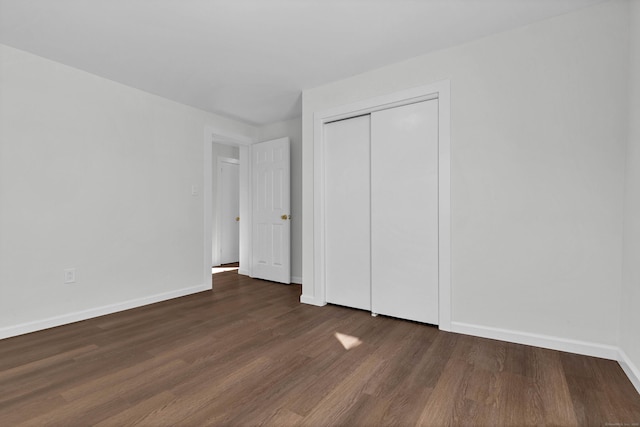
x=404 y=212
x=347 y=213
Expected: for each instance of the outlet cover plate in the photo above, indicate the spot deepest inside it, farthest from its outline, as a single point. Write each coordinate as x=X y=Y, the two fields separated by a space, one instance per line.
x=69 y=275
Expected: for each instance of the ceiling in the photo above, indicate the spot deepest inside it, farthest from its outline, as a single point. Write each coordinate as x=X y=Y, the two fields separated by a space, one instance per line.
x=250 y=59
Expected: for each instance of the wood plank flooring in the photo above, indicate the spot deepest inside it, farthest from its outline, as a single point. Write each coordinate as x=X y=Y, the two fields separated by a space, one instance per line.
x=249 y=353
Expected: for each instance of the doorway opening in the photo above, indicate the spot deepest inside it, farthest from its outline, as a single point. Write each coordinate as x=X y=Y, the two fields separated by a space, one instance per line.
x=223 y=268
x=225 y=233
x=241 y=151
x=227 y=210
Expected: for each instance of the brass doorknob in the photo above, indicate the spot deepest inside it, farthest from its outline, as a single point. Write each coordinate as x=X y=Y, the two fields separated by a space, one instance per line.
x=237 y=218
x=285 y=217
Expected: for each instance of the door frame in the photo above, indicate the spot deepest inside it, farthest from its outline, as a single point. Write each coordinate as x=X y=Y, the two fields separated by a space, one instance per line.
x=220 y=160
x=217 y=135
x=439 y=90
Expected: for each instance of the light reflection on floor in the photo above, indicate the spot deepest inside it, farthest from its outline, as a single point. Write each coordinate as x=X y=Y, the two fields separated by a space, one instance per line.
x=215 y=270
x=347 y=341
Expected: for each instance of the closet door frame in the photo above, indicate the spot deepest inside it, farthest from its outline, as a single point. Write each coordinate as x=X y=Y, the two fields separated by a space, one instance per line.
x=439 y=90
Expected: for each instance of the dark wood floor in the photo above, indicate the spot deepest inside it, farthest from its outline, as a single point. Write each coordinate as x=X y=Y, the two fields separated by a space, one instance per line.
x=249 y=353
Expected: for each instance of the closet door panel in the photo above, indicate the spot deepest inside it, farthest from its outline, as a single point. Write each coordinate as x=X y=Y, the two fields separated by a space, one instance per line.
x=347 y=213
x=404 y=212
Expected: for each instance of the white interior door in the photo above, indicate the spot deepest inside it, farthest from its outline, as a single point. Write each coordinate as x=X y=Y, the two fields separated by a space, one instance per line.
x=404 y=211
x=271 y=231
x=229 y=212
x=347 y=213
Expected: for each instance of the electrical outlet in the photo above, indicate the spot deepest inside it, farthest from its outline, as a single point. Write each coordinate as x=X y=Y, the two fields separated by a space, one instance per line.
x=69 y=275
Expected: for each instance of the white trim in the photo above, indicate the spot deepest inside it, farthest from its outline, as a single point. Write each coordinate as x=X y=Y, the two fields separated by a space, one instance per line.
x=584 y=348
x=444 y=206
x=312 y=301
x=215 y=259
x=396 y=99
x=440 y=90
x=318 y=296
x=538 y=340
x=51 y=322
x=249 y=211
x=632 y=371
x=245 y=210
x=224 y=137
x=296 y=279
x=207 y=201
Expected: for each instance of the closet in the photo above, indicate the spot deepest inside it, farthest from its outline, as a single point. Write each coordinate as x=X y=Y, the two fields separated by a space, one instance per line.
x=381 y=211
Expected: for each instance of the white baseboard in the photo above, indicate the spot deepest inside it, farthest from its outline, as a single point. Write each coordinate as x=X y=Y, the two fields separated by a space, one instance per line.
x=51 y=322
x=630 y=369
x=311 y=300
x=294 y=279
x=538 y=340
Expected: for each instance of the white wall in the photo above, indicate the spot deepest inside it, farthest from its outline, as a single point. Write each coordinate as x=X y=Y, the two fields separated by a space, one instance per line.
x=538 y=129
x=293 y=129
x=218 y=151
x=630 y=314
x=97 y=176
